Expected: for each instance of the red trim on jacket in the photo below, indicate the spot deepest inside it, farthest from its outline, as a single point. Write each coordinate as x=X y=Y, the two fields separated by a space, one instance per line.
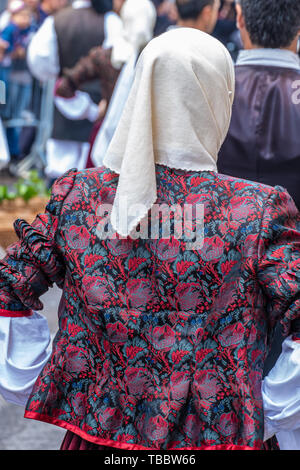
x=122 y=445
x=13 y=314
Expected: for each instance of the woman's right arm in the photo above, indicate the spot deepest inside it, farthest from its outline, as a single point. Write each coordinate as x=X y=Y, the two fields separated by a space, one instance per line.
x=281 y=396
x=278 y=263
x=278 y=270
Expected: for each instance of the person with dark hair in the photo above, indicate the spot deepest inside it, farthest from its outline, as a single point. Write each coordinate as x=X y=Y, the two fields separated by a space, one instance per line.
x=199 y=14
x=167 y=15
x=269 y=24
x=101 y=6
x=263 y=143
x=226 y=30
x=263 y=140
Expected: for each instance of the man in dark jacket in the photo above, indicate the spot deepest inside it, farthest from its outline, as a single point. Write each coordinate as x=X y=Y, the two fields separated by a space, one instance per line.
x=263 y=143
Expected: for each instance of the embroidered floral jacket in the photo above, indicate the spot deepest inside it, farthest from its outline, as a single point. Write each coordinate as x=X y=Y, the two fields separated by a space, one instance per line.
x=158 y=347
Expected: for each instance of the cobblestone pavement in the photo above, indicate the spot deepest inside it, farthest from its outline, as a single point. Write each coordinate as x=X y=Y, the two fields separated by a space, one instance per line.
x=16 y=432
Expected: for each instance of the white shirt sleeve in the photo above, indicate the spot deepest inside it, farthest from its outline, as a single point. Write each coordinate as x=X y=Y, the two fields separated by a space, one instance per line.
x=281 y=397
x=114 y=111
x=113 y=28
x=4 y=150
x=42 y=54
x=24 y=350
x=81 y=106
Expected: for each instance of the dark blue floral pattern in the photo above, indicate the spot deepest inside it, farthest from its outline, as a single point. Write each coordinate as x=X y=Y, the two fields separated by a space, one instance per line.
x=158 y=346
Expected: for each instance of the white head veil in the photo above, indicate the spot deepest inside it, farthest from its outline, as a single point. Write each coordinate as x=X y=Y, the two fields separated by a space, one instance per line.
x=177 y=114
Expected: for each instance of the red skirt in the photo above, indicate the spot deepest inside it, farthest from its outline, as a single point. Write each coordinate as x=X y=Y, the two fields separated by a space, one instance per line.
x=73 y=442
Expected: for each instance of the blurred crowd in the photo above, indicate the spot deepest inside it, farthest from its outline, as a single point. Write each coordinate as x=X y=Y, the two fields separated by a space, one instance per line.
x=68 y=67
x=42 y=41
x=19 y=21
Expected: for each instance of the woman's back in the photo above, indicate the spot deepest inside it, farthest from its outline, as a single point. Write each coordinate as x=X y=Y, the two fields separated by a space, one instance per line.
x=160 y=346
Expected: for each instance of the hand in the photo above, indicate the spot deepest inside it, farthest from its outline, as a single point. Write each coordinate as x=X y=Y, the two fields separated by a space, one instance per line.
x=19 y=53
x=117 y=6
x=3 y=46
x=63 y=88
x=102 y=106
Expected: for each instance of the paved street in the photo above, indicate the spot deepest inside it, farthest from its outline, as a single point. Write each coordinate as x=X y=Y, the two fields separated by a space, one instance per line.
x=18 y=433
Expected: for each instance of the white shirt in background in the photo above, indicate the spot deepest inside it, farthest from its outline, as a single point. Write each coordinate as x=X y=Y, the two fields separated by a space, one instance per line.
x=43 y=62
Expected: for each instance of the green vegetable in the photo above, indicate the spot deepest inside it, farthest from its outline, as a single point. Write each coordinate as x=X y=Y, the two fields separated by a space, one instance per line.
x=26 y=188
x=3 y=193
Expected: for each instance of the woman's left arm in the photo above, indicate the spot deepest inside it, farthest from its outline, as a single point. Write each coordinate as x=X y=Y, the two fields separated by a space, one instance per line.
x=33 y=264
x=30 y=267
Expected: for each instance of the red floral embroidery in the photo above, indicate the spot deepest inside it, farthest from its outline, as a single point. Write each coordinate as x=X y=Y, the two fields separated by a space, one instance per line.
x=158 y=347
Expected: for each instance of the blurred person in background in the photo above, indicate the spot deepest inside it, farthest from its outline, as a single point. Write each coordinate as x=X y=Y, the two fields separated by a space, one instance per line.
x=99 y=64
x=16 y=32
x=167 y=15
x=60 y=42
x=226 y=29
x=199 y=14
x=77 y=105
x=37 y=15
x=14 y=40
x=226 y=23
x=160 y=344
x=40 y=11
x=138 y=23
x=137 y=20
x=263 y=142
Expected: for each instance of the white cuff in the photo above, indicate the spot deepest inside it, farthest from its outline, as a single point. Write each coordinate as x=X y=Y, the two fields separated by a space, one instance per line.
x=24 y=350
x=281 y=392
